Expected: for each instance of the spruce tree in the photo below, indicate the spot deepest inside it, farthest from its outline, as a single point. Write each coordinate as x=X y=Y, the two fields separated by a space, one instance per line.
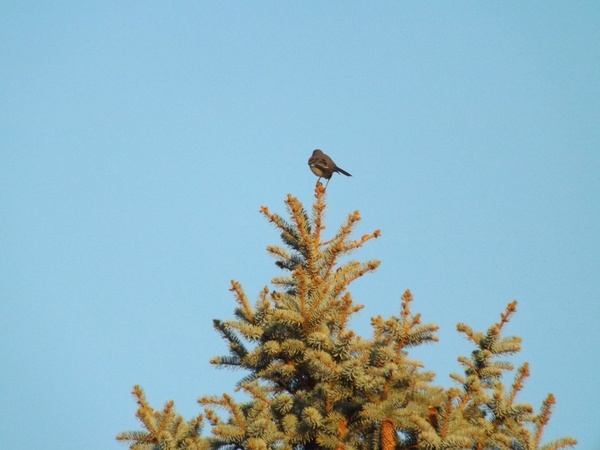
x=312 y=383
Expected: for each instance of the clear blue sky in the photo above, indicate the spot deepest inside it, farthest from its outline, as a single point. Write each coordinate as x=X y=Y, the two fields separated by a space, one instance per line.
x=139 y=139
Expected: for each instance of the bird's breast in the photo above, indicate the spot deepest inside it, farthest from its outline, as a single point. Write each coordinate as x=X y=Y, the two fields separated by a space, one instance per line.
x=318 y=172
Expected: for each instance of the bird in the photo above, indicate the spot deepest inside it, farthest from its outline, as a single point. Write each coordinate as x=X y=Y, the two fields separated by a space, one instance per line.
x=323 y=166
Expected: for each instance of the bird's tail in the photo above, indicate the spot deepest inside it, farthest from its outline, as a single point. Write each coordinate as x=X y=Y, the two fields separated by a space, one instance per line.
x=337 y=169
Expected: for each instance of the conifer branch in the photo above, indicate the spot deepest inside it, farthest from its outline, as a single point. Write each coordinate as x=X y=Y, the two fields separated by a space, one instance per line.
x=544 y=417
x=284 y=259
x=517 y=386
x=242 y=299
x=303 y=292
x=351 y=272
x=469 y=333
x=505 y=317
x=145 y=412
x=305 y=243
x=318 y=211
x=347 y=308
x=557 y=444
x=289 y=234
x=235 y=345
x=337 y=242
x=164 y=427
x=508 y=423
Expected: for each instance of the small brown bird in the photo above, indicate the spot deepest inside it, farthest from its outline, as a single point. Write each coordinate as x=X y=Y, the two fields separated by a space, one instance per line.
x=323 y=166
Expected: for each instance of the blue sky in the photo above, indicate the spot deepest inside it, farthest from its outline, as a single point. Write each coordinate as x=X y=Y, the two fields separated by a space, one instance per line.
x=139 y=140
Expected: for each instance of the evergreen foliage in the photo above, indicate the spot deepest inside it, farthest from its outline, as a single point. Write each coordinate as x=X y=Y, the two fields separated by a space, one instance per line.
x=312 y=383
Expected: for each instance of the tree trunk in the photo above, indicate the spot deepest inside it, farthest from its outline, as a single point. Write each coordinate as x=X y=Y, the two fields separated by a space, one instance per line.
x=387 y=436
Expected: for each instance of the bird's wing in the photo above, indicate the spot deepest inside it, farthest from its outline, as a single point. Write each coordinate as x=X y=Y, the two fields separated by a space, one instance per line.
x=320 y=162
